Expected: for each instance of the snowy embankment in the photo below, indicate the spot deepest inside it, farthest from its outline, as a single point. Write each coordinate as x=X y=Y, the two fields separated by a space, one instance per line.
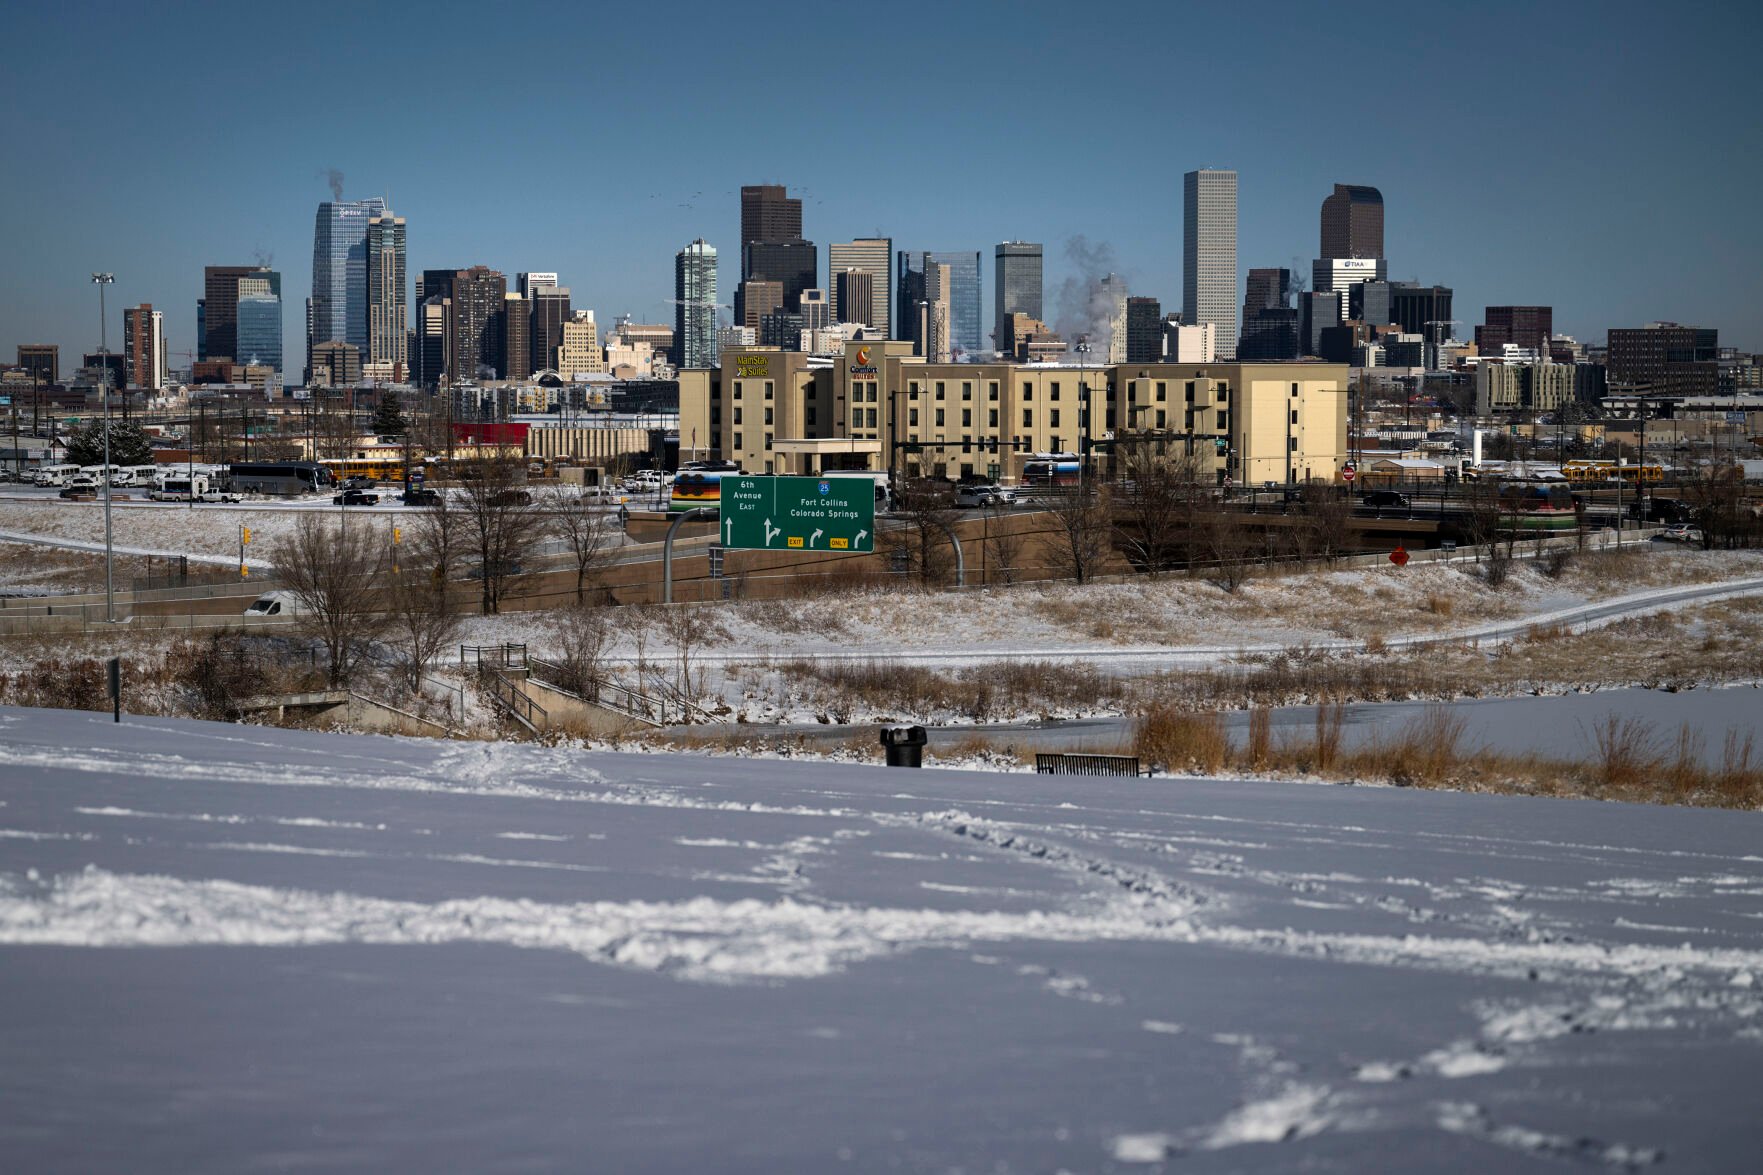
x=409 y=955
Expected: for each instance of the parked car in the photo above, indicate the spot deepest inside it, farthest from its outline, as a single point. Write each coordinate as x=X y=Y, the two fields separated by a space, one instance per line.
x=82 y=481
x=511 y=498
x=1385 y=500
x=220 y=496
x=1680 y=532
x=355 y=498
x=417 y=496
x=979 y=494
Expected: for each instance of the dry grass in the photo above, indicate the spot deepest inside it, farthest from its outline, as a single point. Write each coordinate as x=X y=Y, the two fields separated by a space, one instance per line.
x=1626 y=761
x=848 y=691
x=1179 y=740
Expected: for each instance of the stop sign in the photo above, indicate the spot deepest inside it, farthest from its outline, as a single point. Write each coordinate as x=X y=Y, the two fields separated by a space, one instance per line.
x=1399 y=556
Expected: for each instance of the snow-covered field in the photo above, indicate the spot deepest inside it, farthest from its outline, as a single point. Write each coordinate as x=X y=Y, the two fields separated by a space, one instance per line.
x=229 y=948
x=1143 y=615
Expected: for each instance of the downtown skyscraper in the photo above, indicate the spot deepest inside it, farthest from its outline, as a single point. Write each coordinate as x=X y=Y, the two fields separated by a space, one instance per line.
x=388 y=305
x=1019 y=286
x=339 y=272
x=694 y=305
x=871 y=255
x=1209 y=254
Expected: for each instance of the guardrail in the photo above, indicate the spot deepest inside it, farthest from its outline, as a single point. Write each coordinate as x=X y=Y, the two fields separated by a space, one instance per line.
x=515 y=701
x=503 y=656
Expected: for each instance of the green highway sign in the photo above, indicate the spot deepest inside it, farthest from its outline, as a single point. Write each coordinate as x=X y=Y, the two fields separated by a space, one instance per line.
x=797 y=513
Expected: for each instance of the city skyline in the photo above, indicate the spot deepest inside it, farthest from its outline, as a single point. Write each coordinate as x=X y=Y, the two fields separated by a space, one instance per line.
x=1546 y=221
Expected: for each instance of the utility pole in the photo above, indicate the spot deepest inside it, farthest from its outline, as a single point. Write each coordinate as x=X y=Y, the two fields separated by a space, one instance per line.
x=101 y=280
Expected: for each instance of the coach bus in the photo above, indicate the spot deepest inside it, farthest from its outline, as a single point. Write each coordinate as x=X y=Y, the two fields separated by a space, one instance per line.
x=285 y=479
x=699 y=484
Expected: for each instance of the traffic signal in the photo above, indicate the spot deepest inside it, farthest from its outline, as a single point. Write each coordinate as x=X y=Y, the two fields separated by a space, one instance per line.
x=397 y=534
x=244 y=534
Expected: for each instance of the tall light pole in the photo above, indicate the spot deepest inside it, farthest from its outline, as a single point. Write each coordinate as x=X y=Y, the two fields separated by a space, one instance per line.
x=101 y=280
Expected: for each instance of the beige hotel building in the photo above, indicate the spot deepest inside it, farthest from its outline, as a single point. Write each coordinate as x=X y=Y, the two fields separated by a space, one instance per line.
x=880 y=407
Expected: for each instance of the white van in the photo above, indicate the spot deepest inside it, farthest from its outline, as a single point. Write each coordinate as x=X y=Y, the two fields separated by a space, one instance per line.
x=277 y=603
x=53 y=475
x=179 y=488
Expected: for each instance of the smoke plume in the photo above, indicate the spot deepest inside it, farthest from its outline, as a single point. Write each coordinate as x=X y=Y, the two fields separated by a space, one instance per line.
x=335 y=179
x=1084 y=306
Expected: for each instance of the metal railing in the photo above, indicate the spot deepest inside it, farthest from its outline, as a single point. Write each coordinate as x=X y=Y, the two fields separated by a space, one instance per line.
x=504 y=656
x=669 y=709
x=515 y=702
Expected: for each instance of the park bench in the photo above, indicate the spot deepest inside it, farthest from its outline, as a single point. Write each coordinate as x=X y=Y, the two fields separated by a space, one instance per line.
x=1065 y=764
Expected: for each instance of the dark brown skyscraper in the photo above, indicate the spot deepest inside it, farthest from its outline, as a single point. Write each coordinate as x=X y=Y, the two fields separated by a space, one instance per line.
x=517 y=338
x=1352 y=222
x=1665 y=359
x=769 y=215
x=550 y=310
x=1144 y=330
x=474 y=324
x=1526 y=326
x=220 y=309
x=42 y=360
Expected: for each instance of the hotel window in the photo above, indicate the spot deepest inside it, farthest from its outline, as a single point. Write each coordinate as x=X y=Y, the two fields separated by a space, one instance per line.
x=912 y=418
x=967 y=389
x=1162 y=418
x=992 y=390
x=939 y=418
x=808 y=415
x=1053 y=394
x=939 y=389
x=768 y=389
x=768 y=414
x=1028 y=418
x=1053 y=418
x=912 y=391
x=738 y=441
x=1027 y=390
x=738 y=387
x=1162 y=392
x=768 y=440
x=993 y=421
x=871 y=418
x=1190 y=391
x=967 y=418
x=737 y=414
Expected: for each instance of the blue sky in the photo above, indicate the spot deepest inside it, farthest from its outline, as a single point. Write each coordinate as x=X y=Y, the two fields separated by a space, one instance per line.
x=1602 y=158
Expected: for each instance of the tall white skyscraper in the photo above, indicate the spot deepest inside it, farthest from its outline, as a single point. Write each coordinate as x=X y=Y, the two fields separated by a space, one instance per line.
x=874 y=256
x=1209 y=254
x=694 y=305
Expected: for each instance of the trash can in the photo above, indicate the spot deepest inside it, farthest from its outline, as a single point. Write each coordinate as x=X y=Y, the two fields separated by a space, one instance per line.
x=904 y=745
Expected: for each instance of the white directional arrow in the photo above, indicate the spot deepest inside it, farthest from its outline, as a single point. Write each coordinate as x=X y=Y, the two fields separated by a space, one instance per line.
x=728 y=531
x=771 y=532
x=861 y=535
x=814 y=536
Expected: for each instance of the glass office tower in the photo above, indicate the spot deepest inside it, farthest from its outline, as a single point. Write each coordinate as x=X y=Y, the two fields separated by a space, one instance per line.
x=260 y=320
x=339 y=271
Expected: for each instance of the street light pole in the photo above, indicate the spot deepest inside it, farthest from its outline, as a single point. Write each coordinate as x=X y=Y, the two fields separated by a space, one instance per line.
x=101 y=280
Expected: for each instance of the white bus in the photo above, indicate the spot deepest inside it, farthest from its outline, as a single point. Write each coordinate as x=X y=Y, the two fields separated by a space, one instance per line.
x=180 y=487
x=53 y=475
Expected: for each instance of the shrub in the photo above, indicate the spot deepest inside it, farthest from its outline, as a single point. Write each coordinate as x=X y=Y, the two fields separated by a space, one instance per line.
x=1182 y=740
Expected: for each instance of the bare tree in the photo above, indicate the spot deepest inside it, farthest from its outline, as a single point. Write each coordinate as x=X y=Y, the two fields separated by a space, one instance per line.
x=502 y=527
x=926 y=506
x=1081 y=530
x=1228 y=547
x=334 y=573
x=1716 y=498
x=587 y=531
x=583 y=636
x=1328 y=520
x=1003 y=544
x=421 y=616
x=1155 y=503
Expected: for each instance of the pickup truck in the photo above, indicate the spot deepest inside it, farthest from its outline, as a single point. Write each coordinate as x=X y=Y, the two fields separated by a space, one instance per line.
x=220 y=496
x=980 y=494
x=355 y=498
